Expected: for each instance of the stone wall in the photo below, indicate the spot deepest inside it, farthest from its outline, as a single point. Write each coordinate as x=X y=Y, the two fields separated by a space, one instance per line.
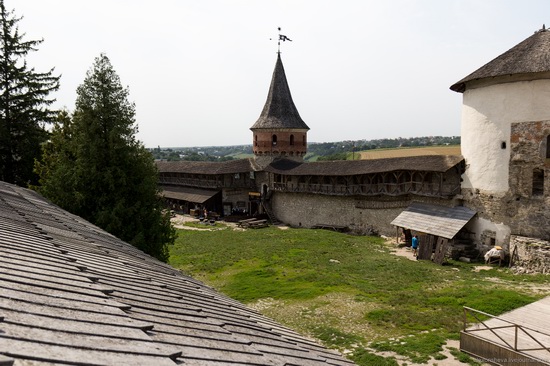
x=524 y=211
x=530 y=255
x=363 y=215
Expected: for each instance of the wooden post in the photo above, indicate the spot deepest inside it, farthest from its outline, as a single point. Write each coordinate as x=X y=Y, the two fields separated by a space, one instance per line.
x=397 y=235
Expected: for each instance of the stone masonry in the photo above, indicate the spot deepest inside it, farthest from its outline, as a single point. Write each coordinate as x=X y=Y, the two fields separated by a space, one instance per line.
x=524 y=209
x=530 y=255
x=362 y=215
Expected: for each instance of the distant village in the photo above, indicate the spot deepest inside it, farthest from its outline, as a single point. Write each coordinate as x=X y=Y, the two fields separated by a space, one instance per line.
x=329 y=150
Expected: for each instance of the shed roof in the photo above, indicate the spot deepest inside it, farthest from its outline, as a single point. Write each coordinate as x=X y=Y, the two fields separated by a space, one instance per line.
x=435 y=163
x=528 y=57
x=188 y=194
x=70 y=293
x=279 y=109
x=432 y=219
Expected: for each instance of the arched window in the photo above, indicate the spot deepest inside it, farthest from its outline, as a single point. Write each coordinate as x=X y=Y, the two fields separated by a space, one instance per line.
x=548 y=147
x=291 y=140
x=304 y=140
x=255 y=140
x=274 y=140
x=538 y=182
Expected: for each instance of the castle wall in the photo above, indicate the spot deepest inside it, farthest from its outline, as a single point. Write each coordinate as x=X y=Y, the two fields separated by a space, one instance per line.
x=487 y=234
x=530 y=255
x=361 y=214
x=487 y=115
x=521 y=210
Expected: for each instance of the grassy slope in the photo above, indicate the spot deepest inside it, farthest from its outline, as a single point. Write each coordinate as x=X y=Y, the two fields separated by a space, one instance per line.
x=368 y=298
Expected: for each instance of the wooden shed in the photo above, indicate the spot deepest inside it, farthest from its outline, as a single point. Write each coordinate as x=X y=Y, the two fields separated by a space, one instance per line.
x=436 y=226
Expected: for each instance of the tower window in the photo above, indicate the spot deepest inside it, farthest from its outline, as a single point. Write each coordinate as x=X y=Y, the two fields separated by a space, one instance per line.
x=255 y=140
x=538 y=182
x=291 y=140
x=274 y=140
x=503 y=145
x=304 y=140
x=548 y=147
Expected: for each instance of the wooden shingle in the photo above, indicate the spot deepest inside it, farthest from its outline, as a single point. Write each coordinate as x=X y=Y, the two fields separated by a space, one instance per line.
x=71 y=293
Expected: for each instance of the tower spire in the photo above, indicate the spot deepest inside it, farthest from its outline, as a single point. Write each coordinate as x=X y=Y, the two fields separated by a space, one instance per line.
x=279 y=131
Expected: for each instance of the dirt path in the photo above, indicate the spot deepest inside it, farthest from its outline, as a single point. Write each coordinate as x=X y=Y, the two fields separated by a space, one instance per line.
x=178 y=221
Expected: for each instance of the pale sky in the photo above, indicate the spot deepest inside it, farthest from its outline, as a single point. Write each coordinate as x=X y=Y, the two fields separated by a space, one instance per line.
x=199 y=70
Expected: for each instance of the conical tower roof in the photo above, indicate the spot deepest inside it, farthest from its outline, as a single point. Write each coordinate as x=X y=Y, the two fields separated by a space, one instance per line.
x=532 y=56
x=279 y=110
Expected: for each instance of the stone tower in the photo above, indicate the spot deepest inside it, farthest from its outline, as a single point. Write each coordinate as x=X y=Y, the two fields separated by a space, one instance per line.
x=505 y=141
x=279 y=132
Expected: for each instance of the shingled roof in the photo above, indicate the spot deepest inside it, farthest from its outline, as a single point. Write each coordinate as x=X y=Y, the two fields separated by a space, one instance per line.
x=279 y=109
x=208 y=167
x=434 y=163
x=70 y=293
x=531 y=56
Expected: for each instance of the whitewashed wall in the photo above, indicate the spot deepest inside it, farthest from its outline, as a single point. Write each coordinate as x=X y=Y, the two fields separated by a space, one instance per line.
x=487 y=113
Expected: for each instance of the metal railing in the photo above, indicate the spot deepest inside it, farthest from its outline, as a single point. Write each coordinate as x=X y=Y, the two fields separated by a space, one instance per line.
x=495 y=330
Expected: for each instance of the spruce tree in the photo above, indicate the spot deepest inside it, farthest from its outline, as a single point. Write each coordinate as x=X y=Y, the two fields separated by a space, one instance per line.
x=94 y=167
x=56 y=166
x=24 y=103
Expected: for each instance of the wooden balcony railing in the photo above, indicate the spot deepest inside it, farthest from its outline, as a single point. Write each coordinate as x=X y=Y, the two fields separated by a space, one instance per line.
x=388 y=189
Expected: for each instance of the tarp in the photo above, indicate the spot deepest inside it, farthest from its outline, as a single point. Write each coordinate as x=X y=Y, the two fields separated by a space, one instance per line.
x=436 y=220
x=194 y=195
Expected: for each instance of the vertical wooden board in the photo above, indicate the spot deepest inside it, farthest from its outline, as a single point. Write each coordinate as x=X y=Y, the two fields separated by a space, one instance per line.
x=441 y=250
x=425 y=246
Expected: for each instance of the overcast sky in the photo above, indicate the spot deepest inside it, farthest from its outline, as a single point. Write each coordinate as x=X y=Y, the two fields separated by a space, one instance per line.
x=199 y=70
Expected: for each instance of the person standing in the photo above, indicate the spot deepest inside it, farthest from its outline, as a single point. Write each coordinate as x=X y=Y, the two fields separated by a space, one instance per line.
x=415 y=245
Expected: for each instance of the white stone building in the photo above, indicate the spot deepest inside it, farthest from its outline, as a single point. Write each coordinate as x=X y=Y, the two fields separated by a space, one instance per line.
x=505 y=141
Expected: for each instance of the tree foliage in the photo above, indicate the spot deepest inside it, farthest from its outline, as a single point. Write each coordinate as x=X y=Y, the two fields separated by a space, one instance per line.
x=94 y=167
x=24 y=103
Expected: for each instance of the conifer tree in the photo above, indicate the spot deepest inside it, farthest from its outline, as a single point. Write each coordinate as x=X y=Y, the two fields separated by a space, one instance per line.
x=94 y=167
x=24 y=103
x=56 y=166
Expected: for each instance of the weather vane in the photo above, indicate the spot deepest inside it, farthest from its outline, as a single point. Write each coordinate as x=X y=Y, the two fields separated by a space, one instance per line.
x=283 y=38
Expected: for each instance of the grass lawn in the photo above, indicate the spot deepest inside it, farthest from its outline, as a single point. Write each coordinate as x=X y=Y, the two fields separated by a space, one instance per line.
x=349 y=291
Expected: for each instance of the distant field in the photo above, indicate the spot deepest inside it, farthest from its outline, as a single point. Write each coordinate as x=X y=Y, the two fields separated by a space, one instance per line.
x=413 y=151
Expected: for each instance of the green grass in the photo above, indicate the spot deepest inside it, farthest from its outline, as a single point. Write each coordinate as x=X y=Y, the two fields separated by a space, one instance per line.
x=407 y=307
x=464 y=358
x=364 y=357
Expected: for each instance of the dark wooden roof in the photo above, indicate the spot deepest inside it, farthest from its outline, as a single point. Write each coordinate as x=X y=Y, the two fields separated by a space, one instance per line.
x=189 y=194
x=208 y=167
x=70 y=293
x=531 y=56
x=279 y=109
x=435 y=163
